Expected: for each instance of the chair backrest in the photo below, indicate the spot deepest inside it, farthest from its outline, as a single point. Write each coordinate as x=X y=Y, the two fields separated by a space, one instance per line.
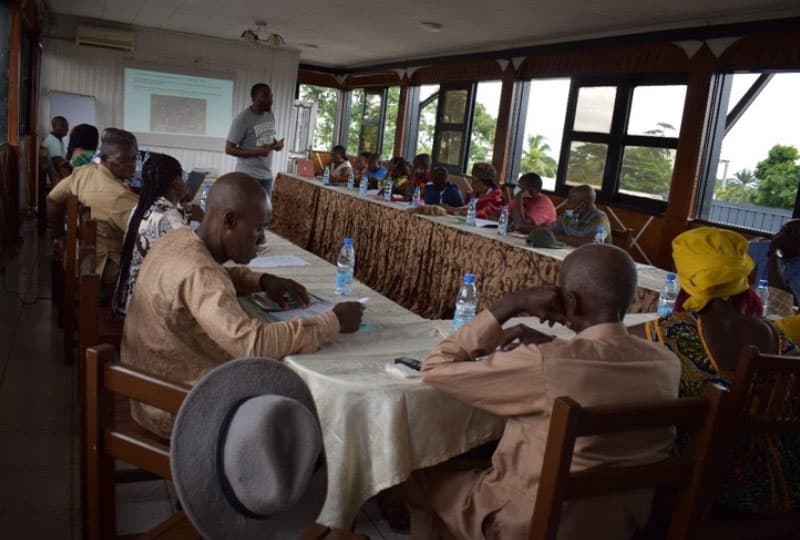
x=765 y=393
x=622 y=238
x=305 y=168
x=110 y=435
x=686 y=473
x=76 y=214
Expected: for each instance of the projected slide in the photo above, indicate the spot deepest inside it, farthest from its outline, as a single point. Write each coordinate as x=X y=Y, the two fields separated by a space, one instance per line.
x=170 y=103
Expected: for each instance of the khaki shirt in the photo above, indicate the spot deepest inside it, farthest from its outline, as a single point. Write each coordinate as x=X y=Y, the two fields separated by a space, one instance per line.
x=602 y=365
x=111 y=203
x=184 y=319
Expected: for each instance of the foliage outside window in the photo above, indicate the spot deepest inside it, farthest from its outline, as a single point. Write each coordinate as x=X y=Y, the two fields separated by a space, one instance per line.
x=326 y=100
x=754 y=170
x=621 y=138
x=484 y=122
x=373 y=120
x=429 y=104
x=543 y=129
x=390 y=125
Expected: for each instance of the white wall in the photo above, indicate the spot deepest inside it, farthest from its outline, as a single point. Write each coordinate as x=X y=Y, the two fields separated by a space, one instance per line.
x=98 y=72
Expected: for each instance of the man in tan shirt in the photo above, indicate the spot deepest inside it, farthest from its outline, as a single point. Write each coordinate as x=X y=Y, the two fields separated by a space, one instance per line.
x=603 y=364
x=100 y=187
x=184 y=318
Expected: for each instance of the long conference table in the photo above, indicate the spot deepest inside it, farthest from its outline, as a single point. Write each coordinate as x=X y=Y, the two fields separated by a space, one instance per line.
x=377 y=427
x=418 y=261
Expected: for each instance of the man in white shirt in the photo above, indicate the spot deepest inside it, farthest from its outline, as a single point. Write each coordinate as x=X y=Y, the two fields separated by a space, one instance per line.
x=53 y=148
x=251 y=139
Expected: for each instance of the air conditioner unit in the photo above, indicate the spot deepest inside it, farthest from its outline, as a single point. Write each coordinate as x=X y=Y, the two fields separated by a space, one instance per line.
x=109 y=38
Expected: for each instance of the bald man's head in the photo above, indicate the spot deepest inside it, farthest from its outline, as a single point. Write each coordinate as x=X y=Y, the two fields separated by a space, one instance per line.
x=581 y=199
x=598 y=283
x=238 y=210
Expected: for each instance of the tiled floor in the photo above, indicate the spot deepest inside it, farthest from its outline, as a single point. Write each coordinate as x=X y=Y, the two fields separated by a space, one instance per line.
x=39 y=491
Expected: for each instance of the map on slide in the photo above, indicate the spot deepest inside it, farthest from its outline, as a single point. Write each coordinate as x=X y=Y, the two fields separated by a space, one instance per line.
x=177 y=114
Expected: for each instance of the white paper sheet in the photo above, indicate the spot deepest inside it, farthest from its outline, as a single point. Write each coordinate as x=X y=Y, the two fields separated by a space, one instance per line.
x=277 y=261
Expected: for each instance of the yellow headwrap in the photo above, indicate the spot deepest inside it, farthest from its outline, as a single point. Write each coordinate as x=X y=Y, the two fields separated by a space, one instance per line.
x=791 y=327
x=711 y=263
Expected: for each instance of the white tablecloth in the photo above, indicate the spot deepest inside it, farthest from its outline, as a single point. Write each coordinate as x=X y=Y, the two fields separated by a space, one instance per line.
x=378 y=428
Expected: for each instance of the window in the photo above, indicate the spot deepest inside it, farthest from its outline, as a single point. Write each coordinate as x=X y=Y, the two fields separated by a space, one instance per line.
x=484 y=122
x=4 y=44
x=753 y=162
x=428 y=105
x=373 y=114
x=621 y=138
x=541 y=111
x=326 y=100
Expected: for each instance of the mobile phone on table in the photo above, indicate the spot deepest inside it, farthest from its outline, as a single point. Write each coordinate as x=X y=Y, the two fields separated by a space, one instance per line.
x=413 y=363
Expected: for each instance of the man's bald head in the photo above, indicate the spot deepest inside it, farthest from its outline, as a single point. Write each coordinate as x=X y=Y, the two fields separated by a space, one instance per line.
x=238 y=209
x=602 y=280
x=236 y=192
x=59 y=126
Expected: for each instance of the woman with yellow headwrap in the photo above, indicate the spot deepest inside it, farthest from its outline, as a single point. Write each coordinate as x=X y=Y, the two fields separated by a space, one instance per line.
x=716 y=316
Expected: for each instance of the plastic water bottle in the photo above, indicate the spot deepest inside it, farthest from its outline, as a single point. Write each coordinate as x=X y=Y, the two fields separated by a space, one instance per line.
x=351 y=181
x=466 y=302
x=326 y=175
x=139 y=165
x=387 y=191
x=345 y=267
x=502 y=223
x=416 y=197
x=204 y=197
x=763 y=293
x=363 y=185
x=600 y=236
x=470 y=221
x=669 y=292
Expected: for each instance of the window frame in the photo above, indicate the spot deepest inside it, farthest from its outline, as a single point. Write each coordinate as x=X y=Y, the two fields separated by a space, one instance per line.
x=336 y=115
x=347 y=116
x=719 y=123
x=465 y=126
x=617 y=139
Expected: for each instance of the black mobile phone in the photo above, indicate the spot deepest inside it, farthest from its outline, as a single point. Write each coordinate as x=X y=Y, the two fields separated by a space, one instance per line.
x=413 y=363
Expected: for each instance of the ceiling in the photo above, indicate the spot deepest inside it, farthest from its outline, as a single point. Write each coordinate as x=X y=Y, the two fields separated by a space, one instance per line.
x=352 y=33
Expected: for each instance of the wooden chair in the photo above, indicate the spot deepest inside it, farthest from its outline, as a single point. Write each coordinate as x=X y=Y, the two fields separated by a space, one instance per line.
x=622 y=238
x=463 y=183
x=112 y=434
x=765 y=398
x=69 y=278
x=687 y=474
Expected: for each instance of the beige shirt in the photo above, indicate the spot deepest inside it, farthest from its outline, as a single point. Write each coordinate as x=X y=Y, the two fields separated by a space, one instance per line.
x=601 y=365
x=184 y=319
x=111 y=203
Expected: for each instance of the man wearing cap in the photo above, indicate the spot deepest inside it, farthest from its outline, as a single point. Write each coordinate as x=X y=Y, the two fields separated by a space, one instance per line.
x=602 y=364
x=184 y=318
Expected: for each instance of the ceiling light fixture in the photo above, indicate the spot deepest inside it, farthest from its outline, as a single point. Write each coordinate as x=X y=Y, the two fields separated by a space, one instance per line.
x=430 y=26
x=260 y=37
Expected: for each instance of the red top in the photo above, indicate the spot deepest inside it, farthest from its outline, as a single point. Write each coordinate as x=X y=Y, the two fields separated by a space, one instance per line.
x=489 y=203
x=540 y=209
x=421 y=179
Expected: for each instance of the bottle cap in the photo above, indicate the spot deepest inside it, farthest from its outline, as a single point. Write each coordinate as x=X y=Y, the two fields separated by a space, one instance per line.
x=348 y=241
x=671 y=276
x=469 y=278
x=763 y=283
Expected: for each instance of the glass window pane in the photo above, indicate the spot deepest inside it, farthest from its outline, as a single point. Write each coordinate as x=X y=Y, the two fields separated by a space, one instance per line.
x=595 y=108
x=647 y=172
x=326 y=100
x=739 y=86
x=657 y=110
x=484 y=122
x=450 y=148
x=389 y=129
x=369 y=134
x=455 y=107
x=757 y=174
x=544 y=129
x=356 y=113
x=587 y=162
x=427 y=118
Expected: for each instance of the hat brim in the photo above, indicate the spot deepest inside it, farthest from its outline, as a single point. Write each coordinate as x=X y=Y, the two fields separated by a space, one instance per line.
x=193 y=450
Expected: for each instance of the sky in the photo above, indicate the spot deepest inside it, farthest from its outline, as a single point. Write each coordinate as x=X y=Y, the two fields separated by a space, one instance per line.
x=773 y=118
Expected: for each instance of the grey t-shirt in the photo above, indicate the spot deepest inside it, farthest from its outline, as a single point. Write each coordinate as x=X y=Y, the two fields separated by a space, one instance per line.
x=250 y=130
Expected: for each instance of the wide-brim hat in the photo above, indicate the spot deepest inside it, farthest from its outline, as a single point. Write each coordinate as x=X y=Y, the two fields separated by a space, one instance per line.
x=544 y=238
x=203 y=430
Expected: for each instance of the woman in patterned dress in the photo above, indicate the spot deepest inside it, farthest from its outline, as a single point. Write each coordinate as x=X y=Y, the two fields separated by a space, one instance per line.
x=159 y=211
x=716 y=316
